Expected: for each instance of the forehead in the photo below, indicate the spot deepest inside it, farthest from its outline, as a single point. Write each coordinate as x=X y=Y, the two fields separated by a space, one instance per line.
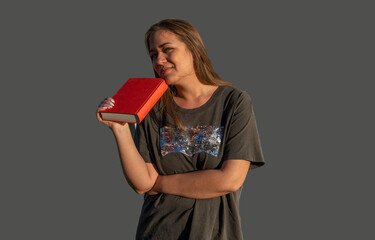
x=161 y=37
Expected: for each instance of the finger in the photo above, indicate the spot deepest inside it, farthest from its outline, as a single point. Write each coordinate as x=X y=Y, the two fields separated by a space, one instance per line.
x=99 y=117
x=106 y=105
x=100 y=108
x=107 y=100
x=111 y=104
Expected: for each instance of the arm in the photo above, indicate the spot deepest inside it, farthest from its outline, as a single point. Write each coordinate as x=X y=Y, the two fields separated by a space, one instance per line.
x=141 y=176
x=205 y=183
x=242 y=143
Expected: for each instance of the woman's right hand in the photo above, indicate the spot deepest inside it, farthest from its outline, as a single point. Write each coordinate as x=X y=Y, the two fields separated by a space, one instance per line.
x=105 y=104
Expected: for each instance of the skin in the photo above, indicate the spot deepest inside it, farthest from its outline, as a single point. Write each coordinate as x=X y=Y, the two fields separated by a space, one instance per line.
x=173 y=61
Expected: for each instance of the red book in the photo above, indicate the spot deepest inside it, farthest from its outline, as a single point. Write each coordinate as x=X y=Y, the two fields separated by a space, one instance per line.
x=135 y=99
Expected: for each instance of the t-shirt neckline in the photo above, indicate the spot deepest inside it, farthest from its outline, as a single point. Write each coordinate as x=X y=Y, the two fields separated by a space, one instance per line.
x=204 y=106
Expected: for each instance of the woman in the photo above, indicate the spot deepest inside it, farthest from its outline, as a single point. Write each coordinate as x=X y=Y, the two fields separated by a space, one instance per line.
x=192 y=152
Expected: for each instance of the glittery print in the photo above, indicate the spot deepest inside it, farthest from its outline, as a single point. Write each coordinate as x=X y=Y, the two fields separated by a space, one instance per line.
x=191 y=140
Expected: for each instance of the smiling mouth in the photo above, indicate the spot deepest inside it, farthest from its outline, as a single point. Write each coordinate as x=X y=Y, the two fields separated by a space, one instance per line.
x=165 y=70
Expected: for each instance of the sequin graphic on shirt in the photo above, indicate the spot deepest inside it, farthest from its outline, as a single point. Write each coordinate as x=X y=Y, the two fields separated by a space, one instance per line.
x=191 y=140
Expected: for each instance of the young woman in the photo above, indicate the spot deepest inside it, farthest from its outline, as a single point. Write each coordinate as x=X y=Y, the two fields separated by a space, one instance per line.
x=192 y=152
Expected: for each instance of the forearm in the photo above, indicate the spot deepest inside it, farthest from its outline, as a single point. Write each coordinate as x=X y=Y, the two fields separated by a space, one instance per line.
x=199 y=184
x=205 y=183
x=140 y=176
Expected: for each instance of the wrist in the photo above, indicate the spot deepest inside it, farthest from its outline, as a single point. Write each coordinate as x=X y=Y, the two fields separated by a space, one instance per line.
x=120 y=129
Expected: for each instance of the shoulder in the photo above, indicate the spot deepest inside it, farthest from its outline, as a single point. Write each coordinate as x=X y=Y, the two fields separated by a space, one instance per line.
x=234 y=95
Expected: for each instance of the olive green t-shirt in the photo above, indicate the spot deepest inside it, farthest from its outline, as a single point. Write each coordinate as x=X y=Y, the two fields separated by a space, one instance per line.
x=223 y=128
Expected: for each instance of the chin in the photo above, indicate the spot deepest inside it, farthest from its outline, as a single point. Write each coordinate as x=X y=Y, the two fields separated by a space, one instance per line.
x=169 y=81
x=172 y=79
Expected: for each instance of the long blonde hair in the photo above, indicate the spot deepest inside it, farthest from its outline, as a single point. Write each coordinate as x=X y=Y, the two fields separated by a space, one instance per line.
x=204 y=70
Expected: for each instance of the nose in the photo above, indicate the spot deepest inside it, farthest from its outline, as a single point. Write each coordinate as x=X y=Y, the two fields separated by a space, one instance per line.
x=159 y=58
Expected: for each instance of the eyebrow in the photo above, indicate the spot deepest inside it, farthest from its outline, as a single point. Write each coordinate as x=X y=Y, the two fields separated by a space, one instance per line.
x=160 y=46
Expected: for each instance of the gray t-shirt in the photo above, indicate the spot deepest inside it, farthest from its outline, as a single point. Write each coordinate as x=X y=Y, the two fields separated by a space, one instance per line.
x=223 y=128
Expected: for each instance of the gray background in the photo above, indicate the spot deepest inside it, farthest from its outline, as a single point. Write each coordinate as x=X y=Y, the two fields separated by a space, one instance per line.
x=307 y=65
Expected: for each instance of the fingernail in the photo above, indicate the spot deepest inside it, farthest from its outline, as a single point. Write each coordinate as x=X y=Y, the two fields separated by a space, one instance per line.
x=112 y=100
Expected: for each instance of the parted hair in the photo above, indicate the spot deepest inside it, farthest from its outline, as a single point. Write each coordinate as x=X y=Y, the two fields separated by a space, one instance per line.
x=204 y=70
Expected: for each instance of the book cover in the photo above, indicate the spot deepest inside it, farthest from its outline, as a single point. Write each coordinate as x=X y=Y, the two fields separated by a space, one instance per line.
x=135 y=99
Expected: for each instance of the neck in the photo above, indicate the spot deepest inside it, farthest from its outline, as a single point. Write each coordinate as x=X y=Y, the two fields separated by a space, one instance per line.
x=191 y=88
x=192 y=91
x=193 y=95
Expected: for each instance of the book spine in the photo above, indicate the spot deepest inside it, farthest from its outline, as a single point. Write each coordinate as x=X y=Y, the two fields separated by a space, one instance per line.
x=151 y=101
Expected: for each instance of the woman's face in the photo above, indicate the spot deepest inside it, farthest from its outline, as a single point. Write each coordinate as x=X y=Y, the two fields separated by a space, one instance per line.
x=171 y=58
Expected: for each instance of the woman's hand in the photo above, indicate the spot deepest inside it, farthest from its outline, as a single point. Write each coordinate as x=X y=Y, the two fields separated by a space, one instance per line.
x=105 y=104
x=140 y=175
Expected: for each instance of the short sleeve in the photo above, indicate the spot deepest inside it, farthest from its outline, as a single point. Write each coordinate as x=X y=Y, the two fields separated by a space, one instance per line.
x=142 y=142
x=242 y=140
